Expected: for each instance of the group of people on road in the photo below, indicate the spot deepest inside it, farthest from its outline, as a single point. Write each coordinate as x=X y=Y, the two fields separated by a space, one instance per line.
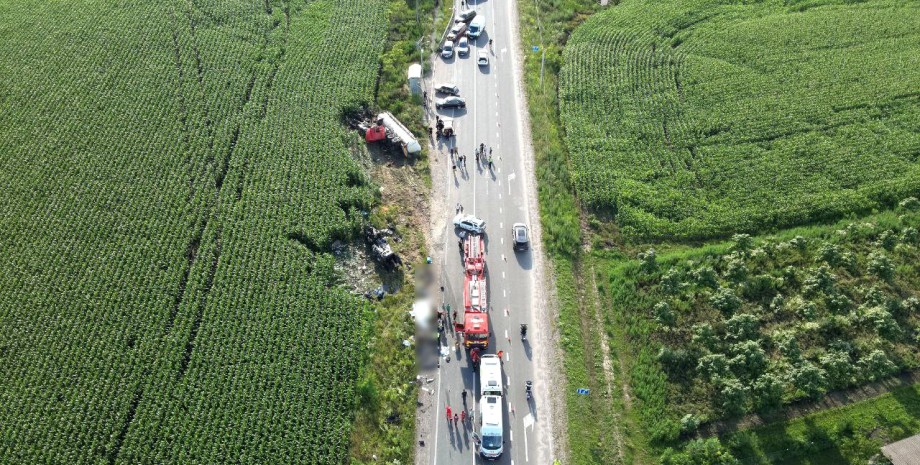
x=461 y=417
x=457 y=160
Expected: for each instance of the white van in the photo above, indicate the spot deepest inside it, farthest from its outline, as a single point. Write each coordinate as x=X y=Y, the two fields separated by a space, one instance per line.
x=490 y=375
x=491 y=428
x=477 y=25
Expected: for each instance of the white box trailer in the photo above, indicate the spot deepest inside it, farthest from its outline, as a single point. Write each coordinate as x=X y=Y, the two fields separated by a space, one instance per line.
x=490 y=375
x=401 y=134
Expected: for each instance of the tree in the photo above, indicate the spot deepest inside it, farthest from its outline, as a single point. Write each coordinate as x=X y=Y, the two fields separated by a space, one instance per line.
x=809 y=379
x=733 y=396
x=749 y=360
x=883 y=322
x=664 y=315
x=839 y=368
x=700 y=452
x=819 y=280
x=649 y=261
x=725 y=300
x=671 y=281
x=787 y=344
x=768 y=391
x=735 y=269
x=706 y=277
x=705 y=336
x=742 y=327
x=880 y=265
x=713 y=366
x=876 y=365
x=829 y=253
x=909 y=204
x=743 y=243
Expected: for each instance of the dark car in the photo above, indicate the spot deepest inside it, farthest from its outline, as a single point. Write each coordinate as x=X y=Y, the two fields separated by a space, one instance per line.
x=450 y=102
x=520 y=237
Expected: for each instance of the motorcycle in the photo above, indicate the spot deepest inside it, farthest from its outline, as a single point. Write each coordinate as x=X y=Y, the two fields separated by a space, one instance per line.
x=528 y=388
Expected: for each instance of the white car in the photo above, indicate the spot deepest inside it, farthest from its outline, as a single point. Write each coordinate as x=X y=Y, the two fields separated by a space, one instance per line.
x=448 y=50
x=483 y=59
x=463 y=47
x=470 y=223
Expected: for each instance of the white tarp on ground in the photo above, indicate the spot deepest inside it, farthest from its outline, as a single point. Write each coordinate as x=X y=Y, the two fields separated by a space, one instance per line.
x=422 y=312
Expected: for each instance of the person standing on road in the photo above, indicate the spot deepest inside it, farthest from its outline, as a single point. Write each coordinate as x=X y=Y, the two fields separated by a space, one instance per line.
x=490 y=162
x=463 y=395
x=463 y=417
x=449 y=413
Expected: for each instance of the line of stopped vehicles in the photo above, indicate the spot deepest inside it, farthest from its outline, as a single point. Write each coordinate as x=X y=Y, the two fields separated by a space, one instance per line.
x=467 y=26
x=473 y=330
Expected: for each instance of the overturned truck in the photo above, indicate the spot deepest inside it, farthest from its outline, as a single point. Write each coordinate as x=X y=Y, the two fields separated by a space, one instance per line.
x=389 y=128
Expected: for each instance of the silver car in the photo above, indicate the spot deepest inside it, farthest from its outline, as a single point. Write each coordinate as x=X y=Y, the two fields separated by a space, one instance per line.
x=520 y=237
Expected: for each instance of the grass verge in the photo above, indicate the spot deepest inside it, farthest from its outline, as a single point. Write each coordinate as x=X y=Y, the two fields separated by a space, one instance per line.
x=845 y=435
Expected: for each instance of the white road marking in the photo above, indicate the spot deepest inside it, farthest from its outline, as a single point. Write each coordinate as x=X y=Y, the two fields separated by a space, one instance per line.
x=506 y=334
x=528 y=423
x=437 y=423
x=503 y=241
x=511 y=435
x=507 y=356
x=506 y=312
x=504 y=293
x=501 y=225
x=503 y=273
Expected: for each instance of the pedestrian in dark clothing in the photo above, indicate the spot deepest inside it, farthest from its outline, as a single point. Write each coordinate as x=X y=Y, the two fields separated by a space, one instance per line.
x=490 y=162
x=463 y=394
x=456 y=419
x=477 y=158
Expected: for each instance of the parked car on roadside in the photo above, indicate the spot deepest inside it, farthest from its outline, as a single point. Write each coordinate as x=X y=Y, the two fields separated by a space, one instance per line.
x=447 y=88
x=450 y=102
x=448 y=50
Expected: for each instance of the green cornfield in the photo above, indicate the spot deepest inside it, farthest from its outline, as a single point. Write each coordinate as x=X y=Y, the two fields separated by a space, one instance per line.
x=171 y=176
x=693 y=119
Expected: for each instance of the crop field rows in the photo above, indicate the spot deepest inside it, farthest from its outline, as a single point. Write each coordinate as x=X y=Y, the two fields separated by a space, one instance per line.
x=173 y=175
x=705 y=119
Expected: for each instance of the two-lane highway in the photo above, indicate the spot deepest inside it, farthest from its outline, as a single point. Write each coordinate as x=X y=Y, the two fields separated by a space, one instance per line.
x=500 y=197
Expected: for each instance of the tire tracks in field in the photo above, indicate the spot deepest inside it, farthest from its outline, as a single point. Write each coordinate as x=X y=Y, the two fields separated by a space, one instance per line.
x=203 y=251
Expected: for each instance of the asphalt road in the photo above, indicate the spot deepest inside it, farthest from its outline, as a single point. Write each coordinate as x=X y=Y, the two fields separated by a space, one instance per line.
x=492 y=116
